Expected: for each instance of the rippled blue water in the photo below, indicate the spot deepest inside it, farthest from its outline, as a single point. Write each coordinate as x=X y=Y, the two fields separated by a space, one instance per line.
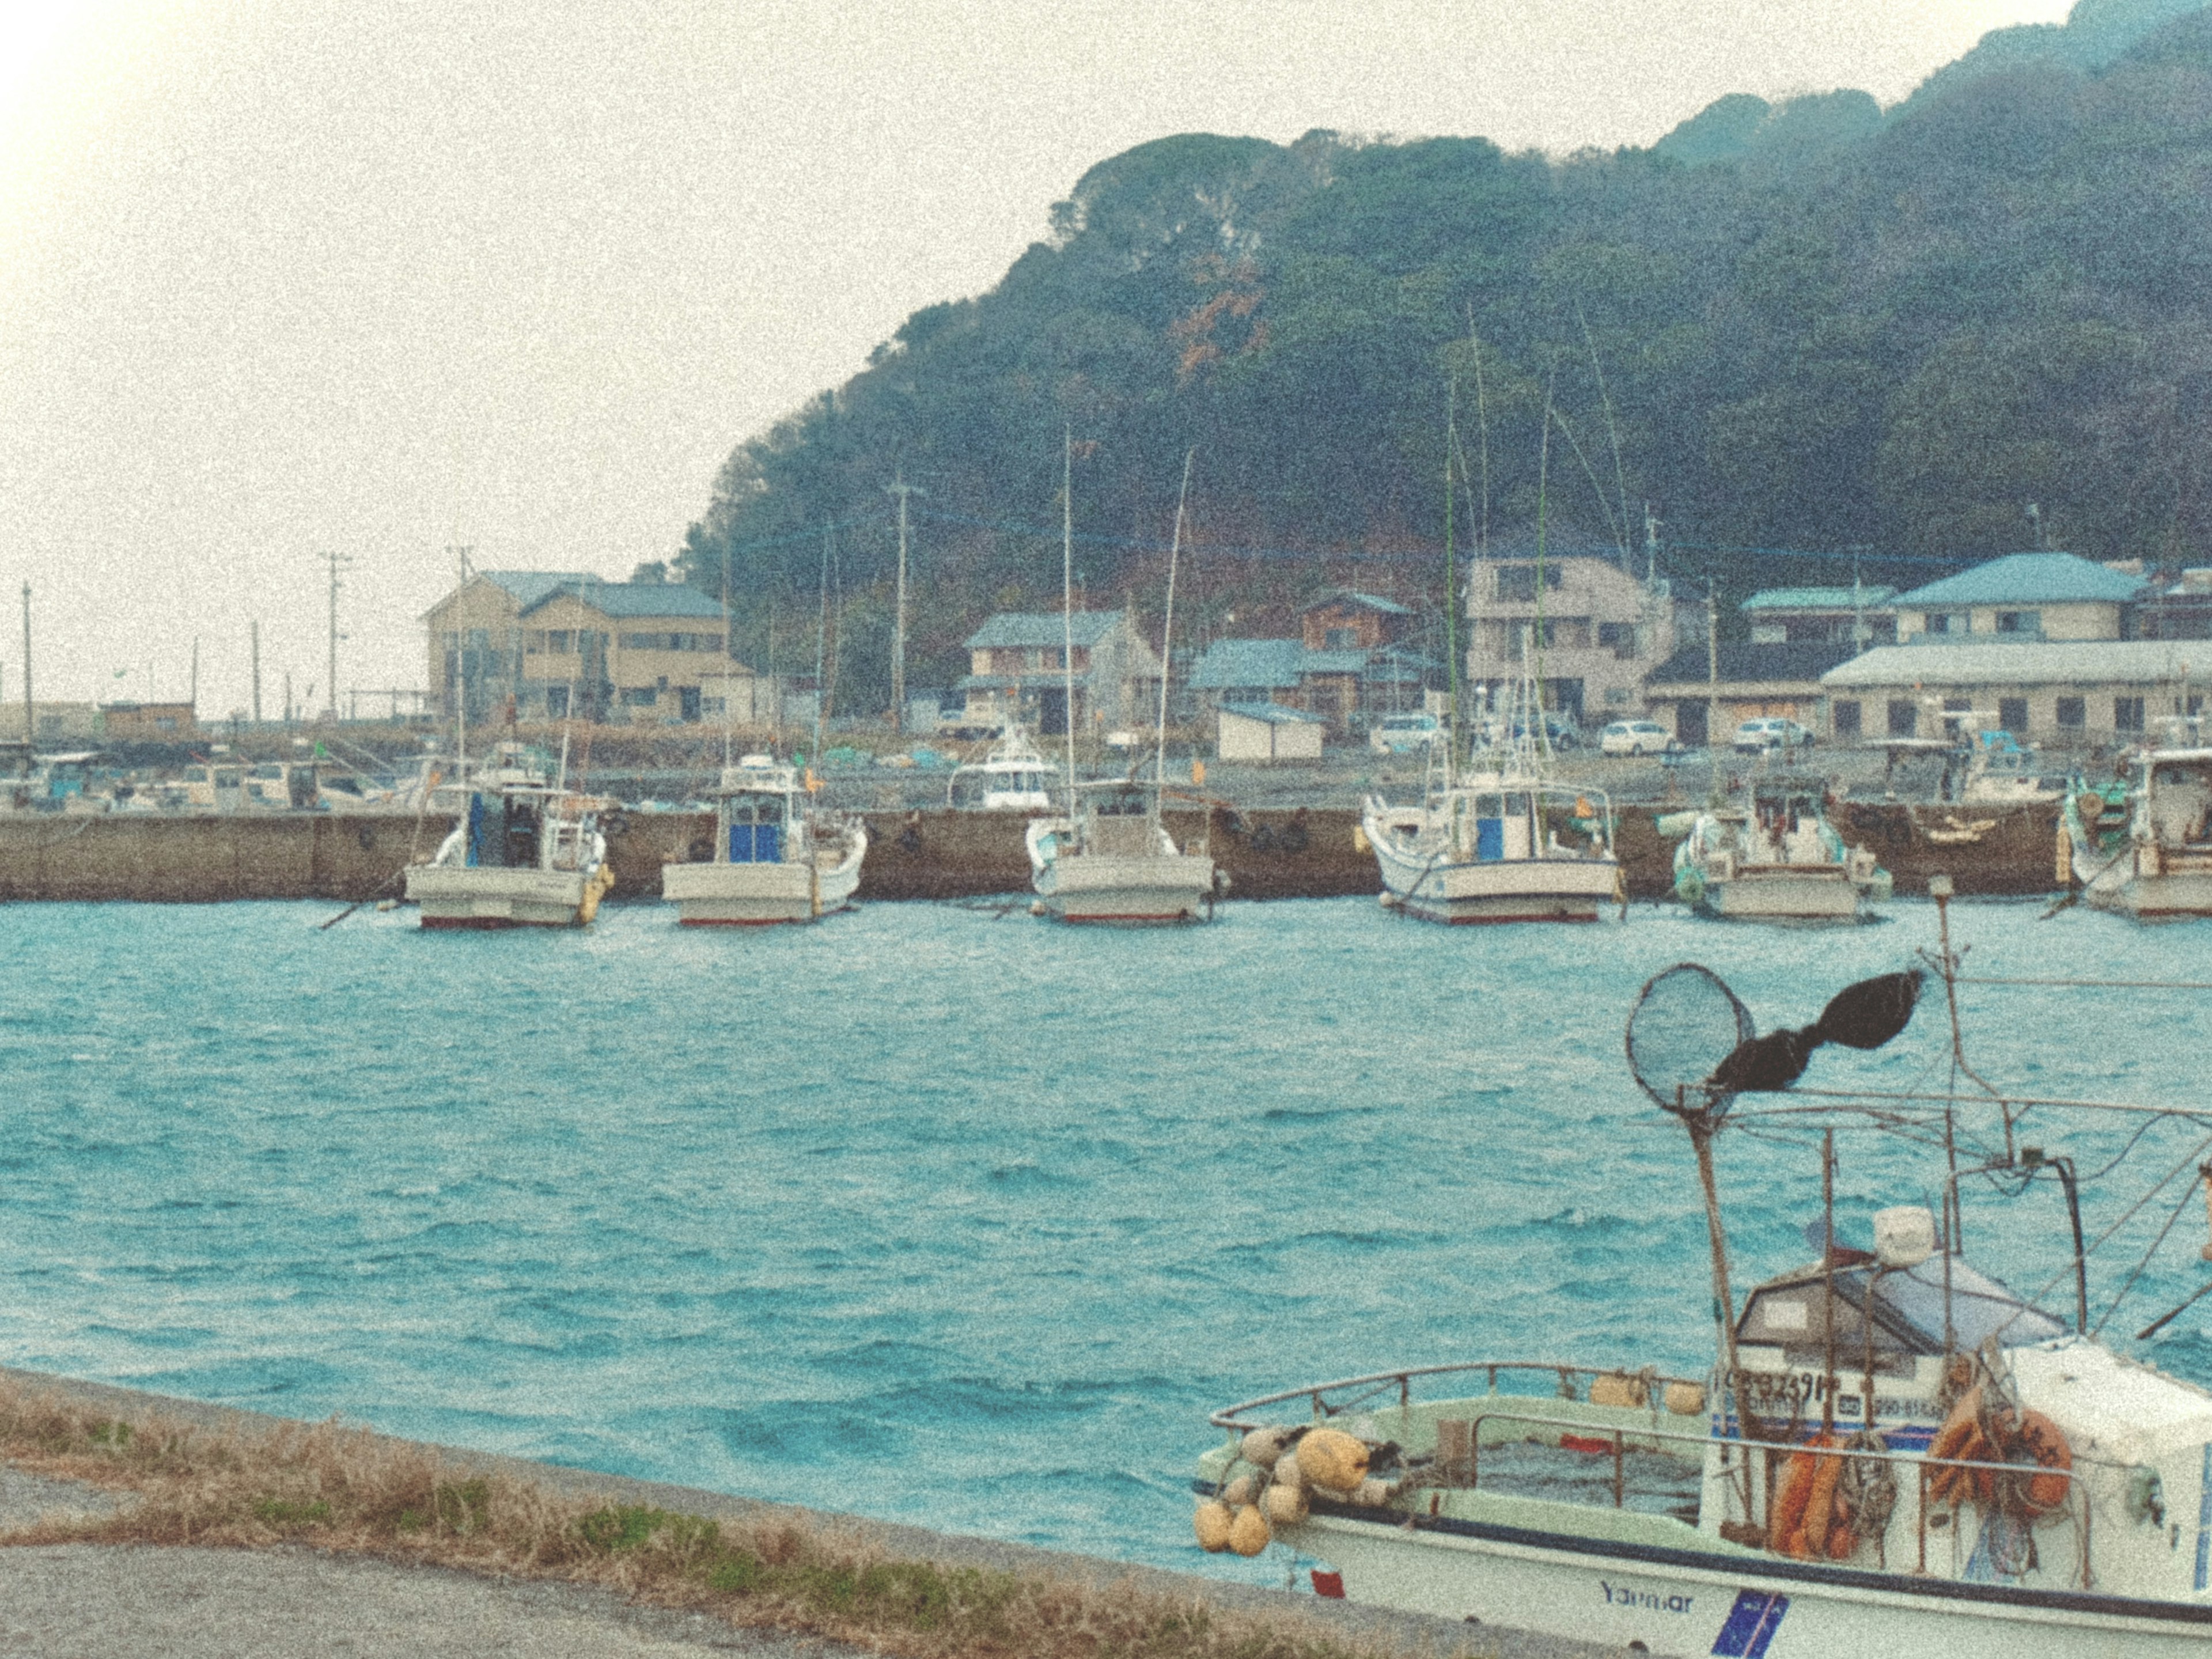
x=939 y=1217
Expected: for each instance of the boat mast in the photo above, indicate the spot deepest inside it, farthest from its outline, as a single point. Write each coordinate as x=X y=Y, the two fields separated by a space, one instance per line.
x=1543 y=498
x=821 y=642
x=728 y=715
x=1067 y=600
x=1713 y=691
x=568 y=720
x=460 y=680
x=1451 y=587
x=1167 y=646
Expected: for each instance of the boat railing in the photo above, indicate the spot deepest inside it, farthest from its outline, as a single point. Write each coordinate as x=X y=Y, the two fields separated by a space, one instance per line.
x=1381 y=1382
x=1621 y=1437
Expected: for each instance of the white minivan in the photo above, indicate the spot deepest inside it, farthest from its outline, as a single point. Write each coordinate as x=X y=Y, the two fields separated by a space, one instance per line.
x=1394 y=734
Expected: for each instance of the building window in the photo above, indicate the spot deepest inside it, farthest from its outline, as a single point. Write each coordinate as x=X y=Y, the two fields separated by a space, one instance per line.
x=1619 y=638
x=640 y=696
x=2073 y=714
x=1340 y=639
x=1518 y=582
x=2127 y=714
x=2020 y=622
x=1846 y=719
x=1903 y=717
x=1938 y=622
x=2012 y=714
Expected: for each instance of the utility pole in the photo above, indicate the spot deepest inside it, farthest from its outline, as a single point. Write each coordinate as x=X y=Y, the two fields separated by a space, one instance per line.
x=336 y=559
x=196 y=676
x=255 y=628
x=288 y=700
x=900 y=488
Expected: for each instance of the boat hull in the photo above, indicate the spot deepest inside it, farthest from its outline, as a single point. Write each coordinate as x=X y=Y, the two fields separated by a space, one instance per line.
x=1494 y=890
x=760 y=894
x=1687 y=1602
x=489 y=897
x=2162 y=892
x=1140 y=890
x=1783 y=894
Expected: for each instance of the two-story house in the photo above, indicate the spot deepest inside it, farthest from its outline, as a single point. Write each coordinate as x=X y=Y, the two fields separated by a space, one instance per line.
x=1589 y=630
x=1020 y=671
x=546 y=644
x=2021 y=597
x=1823 y=616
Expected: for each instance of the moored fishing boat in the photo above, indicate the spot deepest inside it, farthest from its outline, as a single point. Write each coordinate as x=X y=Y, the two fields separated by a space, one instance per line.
x=1013 y=777
x=524 y=852
x=2145 y=849
x=774 y=859
x=1893 y=1452
x=1777 y=858
x=1485 y=847
x=1114 y=861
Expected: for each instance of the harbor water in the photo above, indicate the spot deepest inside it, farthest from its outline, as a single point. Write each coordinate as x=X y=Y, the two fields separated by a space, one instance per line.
x=963 y=1219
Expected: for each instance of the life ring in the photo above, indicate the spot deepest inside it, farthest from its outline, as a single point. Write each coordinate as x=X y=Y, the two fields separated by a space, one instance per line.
x=2045 y=1442
x=1794 y=1497
x=1961 y=1437
x=1824 y=1530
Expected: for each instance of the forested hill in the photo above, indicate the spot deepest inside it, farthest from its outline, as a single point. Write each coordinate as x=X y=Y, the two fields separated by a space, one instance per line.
x=1817 y=327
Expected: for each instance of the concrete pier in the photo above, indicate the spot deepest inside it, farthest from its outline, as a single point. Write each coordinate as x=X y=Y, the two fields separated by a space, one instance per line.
x=1281 y=852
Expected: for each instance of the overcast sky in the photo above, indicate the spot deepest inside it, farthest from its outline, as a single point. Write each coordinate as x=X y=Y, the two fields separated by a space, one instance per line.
x=279 y=278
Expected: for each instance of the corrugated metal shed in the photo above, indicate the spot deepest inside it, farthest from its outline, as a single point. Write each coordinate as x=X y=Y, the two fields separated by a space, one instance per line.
x=625 y=600
x=1249 y=664
x=2090 y=662
x=1817 y=599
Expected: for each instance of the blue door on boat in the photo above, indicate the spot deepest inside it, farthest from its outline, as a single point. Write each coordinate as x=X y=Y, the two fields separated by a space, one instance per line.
x=756 y=843
x=1489 y=839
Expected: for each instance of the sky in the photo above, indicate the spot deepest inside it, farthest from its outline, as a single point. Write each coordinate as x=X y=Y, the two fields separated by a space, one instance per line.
x=286 y=278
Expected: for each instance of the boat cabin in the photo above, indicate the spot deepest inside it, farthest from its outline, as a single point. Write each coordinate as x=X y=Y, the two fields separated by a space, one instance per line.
x=756 y=814
x=1012 y=778
x=2177 y=799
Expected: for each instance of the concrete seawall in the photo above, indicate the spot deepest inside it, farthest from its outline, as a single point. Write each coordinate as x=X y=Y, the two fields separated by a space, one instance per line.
x=932 y=855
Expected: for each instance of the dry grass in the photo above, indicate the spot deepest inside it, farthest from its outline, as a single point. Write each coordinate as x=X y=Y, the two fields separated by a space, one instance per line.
x=349 y=1491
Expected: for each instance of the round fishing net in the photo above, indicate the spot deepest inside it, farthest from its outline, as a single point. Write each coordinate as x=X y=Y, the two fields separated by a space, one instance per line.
x=1686 y=1023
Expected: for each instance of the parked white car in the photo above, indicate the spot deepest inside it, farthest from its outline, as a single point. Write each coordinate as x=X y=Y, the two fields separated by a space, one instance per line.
x=1756 y=736
x=1394 y=734
x=1635 y=738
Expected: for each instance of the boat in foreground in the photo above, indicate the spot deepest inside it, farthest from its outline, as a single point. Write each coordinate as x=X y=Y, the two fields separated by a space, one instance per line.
x=523 y=853
x=1892 y=1454
x=2146 y=851
x=773 y=860
x=1777 y=858
x=1114 y=861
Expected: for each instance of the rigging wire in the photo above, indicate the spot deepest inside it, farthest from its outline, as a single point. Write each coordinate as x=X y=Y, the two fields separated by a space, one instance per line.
x=2189 y=1192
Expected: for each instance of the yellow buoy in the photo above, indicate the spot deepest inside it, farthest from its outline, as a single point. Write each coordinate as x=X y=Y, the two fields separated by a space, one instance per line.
x=1241 y=1490
x=1287 y=1472
x=1212 y=1523
x=1685 y=1398
x=1332 y=1458
x=1284 y=1505
x=1261 y=1447
x=1248 y=1533
x=1359 y=842
x=1374 y=1492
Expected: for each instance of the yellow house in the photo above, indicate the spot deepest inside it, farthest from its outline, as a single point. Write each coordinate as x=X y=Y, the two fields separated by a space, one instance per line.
x=544 y=644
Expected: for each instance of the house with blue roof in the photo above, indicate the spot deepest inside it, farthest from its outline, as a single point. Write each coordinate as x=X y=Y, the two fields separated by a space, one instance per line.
x=2021 y=599
x=1020 y=669
x=543 y=644
x=1822 y=616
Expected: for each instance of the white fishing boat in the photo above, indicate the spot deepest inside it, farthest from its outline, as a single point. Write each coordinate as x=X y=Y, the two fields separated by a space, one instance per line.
x=775 y=859
x=1013 y=777
x=2145 y=850
x=1108 y=857
x=1892 y=1453
x=1114 y=861
x=524 y=852
x=2001 y=771
x=1777 y=858
x=1486 y=846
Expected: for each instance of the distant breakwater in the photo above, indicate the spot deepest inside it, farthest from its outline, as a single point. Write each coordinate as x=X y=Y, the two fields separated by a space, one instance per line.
x=930 y=855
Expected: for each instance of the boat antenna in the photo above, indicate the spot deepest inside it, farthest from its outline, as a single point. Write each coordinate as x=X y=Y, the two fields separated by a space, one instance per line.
x=460 y=682
x=1167 y=645
x=1713 y=690
x=1067 y=599
x=1613 y=433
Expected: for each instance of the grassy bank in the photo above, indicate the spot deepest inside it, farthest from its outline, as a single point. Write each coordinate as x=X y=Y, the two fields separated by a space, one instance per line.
x=349 y=1491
